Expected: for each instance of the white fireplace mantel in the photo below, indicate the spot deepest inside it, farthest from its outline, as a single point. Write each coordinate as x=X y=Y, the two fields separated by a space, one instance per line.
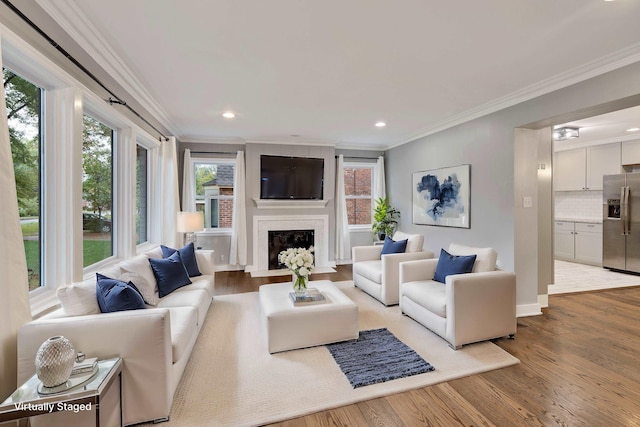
x=262 y=224
x=289 y=204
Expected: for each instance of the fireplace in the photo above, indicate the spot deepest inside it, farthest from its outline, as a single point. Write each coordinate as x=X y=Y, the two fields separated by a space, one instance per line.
x=280 y=240
x=263 y=225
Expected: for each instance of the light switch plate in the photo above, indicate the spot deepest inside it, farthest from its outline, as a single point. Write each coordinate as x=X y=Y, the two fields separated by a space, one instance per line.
x=527 y=202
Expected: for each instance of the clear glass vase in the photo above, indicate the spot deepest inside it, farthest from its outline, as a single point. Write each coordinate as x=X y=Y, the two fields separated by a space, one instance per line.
x=300 y=284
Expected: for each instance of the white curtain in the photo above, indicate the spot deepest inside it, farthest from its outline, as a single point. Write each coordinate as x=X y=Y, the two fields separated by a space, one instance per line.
x=14 y=287
x=238 y=252
x=188 y=184
x=168 y=196
x=379 y=190
x=343 y=242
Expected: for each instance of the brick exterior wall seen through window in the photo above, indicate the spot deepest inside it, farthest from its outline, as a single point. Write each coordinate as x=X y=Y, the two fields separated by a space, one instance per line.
x=357 y=185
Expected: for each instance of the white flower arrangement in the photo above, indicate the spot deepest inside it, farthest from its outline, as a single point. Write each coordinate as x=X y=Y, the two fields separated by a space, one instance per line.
x=298 y=260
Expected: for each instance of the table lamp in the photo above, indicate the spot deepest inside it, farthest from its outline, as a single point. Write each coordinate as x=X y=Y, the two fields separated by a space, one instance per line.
x=189 y=223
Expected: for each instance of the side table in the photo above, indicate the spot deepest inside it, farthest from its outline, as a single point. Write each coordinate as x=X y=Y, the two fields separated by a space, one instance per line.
x=27 y=402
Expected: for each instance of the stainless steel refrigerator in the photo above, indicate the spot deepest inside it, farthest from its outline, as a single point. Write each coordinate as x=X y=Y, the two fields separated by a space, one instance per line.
x=621 y=222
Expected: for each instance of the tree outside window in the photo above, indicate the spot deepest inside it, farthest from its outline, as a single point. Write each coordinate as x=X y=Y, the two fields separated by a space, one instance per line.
x=23 y=102
x=97 y=190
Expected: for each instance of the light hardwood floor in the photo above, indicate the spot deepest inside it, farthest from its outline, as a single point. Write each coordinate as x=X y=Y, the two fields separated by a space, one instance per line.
x=579 y=367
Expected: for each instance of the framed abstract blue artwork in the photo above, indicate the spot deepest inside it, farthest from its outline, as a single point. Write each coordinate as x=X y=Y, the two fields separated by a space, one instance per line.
x=442 y=197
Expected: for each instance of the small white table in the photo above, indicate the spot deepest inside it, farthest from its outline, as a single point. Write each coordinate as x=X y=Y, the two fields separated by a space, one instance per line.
x=289 y=327
x=27 y=402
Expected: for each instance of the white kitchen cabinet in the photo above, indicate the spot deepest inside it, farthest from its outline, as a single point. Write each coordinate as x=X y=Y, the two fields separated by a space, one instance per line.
x=570 y=169
x=583 y=168
x=631 y=152
x=601 y=160
x=588 y=243
x=564 y=245
x=578 y=242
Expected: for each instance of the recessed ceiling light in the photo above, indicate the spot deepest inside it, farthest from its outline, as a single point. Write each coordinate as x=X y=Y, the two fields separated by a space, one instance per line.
x=633 y=129
x=380 y=124
x=228 y=115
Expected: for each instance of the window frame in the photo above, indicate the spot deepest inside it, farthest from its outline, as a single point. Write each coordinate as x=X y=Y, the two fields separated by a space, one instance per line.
x=362 y=165
x=64 y=100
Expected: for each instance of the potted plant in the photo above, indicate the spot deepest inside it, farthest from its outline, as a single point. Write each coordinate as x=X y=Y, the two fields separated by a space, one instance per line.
x=385 y=218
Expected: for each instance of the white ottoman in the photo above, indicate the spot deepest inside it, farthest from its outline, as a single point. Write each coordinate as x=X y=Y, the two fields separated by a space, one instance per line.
x=288 y=327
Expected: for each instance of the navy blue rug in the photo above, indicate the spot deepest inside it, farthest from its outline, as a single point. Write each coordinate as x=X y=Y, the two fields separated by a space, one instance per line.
x=375 y=357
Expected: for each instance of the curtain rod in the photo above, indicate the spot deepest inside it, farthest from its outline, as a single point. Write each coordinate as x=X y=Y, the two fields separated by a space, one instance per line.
x=359 y=158
x=75 y=62
x=214 y=152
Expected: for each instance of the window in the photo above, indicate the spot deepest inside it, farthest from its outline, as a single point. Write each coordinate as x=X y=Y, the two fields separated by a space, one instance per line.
x=97 y=191
x=142 y=194
x=214 y=192
x=24 y=113
x=358 y=181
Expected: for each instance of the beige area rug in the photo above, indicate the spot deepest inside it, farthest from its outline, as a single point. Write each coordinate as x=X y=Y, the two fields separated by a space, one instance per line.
x=231 y=379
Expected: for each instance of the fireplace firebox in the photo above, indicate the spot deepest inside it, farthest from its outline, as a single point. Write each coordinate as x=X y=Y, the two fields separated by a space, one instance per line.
x=280 y=240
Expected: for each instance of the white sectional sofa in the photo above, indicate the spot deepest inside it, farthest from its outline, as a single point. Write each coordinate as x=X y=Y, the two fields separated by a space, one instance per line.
x=155 y=343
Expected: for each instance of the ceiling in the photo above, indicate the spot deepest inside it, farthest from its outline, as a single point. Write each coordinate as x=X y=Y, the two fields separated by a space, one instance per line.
x=622 y=125
x=327 y=71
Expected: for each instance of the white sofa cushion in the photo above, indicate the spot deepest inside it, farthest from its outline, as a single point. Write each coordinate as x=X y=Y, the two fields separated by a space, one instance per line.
x=184 y=324
x=414 y=241
x=138 y=271
x=429 y=294
x=486 y=258
x=372 y=270
x=204 y=282
x=197 y=298
x=79 y=299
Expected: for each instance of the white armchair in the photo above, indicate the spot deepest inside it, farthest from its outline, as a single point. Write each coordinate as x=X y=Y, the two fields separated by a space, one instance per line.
x=467 y=308
x=378 y=275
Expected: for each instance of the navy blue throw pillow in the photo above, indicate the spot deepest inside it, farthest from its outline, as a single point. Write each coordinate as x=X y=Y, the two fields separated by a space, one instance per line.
x=170 y=273
x=188 y=255
x=116 y=295
x=452 y=264
x=392 y=247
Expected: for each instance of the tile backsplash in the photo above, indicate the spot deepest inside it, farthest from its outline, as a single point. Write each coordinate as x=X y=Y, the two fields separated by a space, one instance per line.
x=578 y=205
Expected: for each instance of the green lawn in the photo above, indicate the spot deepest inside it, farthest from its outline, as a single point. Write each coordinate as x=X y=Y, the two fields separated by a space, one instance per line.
x=94 y=251
x=30 y=228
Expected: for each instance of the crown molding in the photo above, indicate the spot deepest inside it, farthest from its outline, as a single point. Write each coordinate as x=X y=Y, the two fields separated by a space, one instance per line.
x=71 y=19
x=618 y=59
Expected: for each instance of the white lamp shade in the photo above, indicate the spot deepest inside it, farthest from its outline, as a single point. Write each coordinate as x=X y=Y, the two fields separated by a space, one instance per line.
x=190 y=222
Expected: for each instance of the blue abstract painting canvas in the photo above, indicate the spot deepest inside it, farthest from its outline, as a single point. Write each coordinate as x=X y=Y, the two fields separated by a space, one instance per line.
x=441 y=197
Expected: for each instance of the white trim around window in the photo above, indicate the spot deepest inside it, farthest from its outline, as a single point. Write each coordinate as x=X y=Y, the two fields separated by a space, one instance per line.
x=65 y=101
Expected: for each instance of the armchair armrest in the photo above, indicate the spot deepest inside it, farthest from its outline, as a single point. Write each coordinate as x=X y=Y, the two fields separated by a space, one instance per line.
x=365 y=253
x=204 y=258
x=480 y=306
x=145 y=350
x=391 y=273
x=412 y=271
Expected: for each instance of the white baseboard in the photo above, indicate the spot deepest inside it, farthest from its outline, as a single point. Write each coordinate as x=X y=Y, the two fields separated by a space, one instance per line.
x=525 y=310
x=543 y=300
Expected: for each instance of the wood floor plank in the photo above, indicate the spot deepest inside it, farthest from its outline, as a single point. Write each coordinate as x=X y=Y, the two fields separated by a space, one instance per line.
x=579 y=366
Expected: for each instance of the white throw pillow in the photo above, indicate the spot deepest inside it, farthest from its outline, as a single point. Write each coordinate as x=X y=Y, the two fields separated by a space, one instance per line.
x=414 y=241
x=155 y=253
x=486 y=258
x=79 y=299
x=138 y=271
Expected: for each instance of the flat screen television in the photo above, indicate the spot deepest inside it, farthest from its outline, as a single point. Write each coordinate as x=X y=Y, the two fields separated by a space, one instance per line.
x=291 y=178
